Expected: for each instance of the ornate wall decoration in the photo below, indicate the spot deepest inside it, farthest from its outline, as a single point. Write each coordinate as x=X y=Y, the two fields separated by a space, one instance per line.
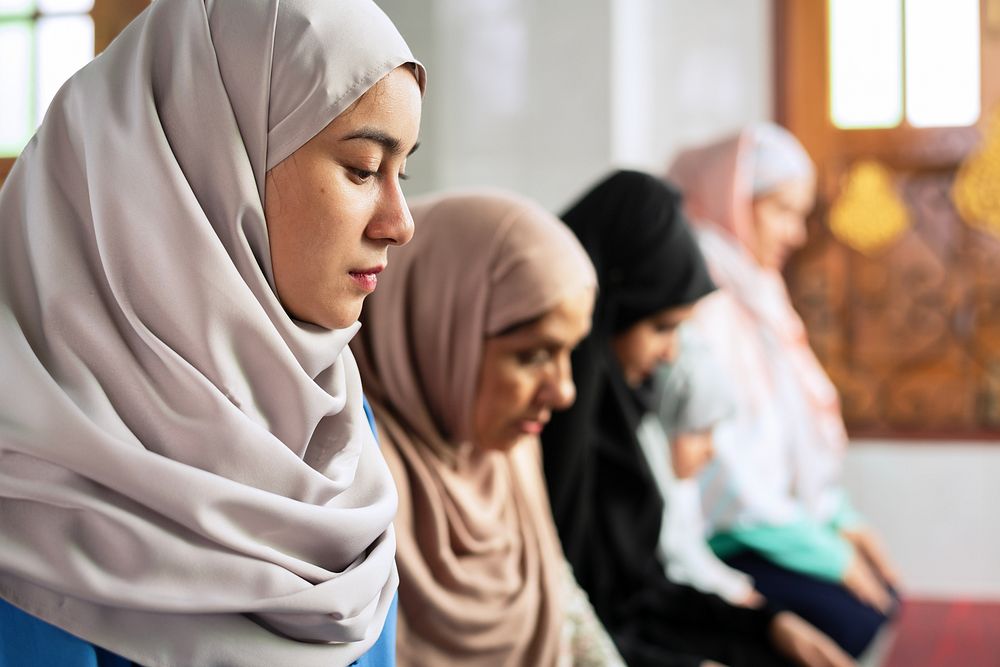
x=977 y=187
x=868 y=216
x=911 y=337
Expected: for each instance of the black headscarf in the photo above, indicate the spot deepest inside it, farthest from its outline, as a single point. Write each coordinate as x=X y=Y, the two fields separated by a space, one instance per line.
x=646 y=256
x=604 y=498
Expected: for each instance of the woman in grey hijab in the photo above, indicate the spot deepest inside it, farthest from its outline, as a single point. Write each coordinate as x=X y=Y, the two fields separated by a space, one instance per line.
x=187 y=474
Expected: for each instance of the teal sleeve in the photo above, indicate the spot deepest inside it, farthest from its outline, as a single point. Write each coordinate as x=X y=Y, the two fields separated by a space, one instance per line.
x=846 y=517
x=803 y=546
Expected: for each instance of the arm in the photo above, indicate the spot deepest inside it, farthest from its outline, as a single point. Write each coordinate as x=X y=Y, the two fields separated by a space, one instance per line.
x=589 y=643
x=687 y=556
x=813 y=549
x=802 y=546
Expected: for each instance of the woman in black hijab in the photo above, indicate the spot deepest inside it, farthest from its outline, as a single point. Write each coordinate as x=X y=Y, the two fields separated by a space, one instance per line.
x=605 y=501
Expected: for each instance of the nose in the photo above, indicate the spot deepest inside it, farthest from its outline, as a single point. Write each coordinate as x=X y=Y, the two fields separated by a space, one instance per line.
x=798 y=233
x=392 y=222
x=560 y=390
x=671 y=348
x=710 y=449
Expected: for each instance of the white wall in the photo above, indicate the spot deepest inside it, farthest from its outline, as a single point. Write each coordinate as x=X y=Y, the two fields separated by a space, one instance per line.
x=707 y=72
x=544 y=96
x=937 y=507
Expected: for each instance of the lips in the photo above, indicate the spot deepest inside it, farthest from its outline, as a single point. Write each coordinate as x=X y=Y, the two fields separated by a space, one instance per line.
x=533 y=426
x=366 y=279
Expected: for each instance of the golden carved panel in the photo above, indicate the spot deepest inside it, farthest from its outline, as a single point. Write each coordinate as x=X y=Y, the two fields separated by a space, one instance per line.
x=977 y=186
x=868 y=216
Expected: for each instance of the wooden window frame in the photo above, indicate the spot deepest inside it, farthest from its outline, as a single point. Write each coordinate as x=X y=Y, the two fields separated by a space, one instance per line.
x=801 y=69
x=110 y=18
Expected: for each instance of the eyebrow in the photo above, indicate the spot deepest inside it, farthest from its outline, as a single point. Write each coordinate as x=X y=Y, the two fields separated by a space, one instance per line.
x=389 y=143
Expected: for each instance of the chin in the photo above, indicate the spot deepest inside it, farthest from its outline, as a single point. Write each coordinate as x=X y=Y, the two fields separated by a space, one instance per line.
x=342 y=318
x=505 y=444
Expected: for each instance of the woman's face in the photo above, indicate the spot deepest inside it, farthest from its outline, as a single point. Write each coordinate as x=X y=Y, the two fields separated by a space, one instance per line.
x=649 y=343
x=780 y=221
x=525 y=374
x=690 y=452
x=334 y=206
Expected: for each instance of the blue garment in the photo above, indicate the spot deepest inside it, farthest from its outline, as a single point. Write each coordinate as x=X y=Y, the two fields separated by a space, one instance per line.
x=827 y=605
x=383 y=653
x=27 y=641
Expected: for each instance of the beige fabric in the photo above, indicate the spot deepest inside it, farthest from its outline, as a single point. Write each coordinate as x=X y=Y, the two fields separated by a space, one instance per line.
x=186 y=473
x=481 y=568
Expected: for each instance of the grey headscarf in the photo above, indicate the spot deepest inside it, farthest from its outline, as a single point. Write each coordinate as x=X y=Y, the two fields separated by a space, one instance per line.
x=187 y=476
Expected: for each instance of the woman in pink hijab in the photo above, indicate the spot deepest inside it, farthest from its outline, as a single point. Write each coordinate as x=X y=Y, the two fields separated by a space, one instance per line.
x=773 y=497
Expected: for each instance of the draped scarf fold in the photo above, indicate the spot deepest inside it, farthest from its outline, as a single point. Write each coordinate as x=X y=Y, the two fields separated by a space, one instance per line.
x=480 y=563
x=187 y=475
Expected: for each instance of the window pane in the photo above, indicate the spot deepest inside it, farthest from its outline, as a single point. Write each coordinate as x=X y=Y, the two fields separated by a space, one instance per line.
x=65 y=44
x=866 y=63
x=64 y=6
x=15 y=87
x=942 y=62
x=17 y=7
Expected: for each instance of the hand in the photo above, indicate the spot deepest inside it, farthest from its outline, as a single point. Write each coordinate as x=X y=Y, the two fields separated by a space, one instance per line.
x=862 y=582
x=804 y=644
x=711 y=663
x=871 y=548
x=753 y=600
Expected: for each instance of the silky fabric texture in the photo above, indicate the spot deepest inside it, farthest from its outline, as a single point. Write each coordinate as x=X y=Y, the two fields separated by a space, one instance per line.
x=605 y=500
x=480 y=565
x=646 y=260
x=781 y=455
x=187 y=476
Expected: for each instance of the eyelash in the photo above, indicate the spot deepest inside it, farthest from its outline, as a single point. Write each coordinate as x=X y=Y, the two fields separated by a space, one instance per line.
x=363 y=175
x=534 y=357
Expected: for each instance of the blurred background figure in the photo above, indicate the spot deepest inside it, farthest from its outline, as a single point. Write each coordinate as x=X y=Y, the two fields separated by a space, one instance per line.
x=464 y=354
x=689 y=398
x=605 y=501
x=776 y=507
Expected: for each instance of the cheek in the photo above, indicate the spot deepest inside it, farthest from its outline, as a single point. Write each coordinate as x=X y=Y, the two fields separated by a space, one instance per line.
x=657 y=346
x=513 y=393
x=770 y=231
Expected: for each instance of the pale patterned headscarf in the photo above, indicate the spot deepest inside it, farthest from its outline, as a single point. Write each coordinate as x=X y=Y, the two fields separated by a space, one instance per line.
x=481 y=568
x=781 y=455
x=187 y=476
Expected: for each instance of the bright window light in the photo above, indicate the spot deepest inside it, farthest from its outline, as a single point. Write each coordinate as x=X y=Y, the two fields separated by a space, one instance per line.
x=15 y=75
x=65 y=6
x=866 y=63
x=942 y=62
x=65 y=44
x=42 y=43
x=16 y=7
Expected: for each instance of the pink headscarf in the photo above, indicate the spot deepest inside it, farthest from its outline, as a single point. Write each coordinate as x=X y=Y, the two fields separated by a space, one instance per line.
x=789 y=418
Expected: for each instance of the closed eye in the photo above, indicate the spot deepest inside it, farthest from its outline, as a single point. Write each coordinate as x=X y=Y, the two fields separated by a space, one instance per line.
x=361 y=175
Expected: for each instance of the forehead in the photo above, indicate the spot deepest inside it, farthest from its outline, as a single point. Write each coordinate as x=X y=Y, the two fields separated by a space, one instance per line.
x=568 y=321
x=798 y=193
x=396 y=96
